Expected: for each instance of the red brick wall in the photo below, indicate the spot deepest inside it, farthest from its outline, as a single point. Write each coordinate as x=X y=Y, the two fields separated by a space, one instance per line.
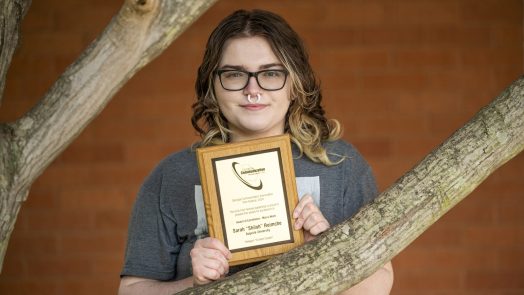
x=400 y=75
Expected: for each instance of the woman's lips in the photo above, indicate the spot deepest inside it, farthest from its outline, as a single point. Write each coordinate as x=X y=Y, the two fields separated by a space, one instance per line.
x=254 y=106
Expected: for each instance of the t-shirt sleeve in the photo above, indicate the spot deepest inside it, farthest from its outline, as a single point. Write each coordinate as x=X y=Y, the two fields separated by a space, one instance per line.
x=152 y=248
x=360 y=186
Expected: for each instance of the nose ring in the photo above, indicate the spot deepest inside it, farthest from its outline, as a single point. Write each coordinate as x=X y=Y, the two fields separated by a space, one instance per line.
x=249 y=98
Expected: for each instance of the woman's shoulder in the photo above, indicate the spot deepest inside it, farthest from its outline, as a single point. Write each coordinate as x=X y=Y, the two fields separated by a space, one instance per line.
x=341 y=149
x=181 y=161
x=182 y=156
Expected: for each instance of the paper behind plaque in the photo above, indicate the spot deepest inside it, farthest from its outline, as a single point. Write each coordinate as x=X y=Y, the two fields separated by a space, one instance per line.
x=249 y=193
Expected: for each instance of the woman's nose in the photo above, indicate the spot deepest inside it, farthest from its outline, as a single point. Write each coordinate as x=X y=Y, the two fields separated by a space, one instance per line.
x=252 y=86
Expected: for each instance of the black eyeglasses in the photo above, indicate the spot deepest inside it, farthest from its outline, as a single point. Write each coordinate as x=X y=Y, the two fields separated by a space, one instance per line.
x=234 y=80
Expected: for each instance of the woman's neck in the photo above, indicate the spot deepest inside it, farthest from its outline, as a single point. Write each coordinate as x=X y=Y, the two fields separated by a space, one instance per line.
x=238 y=137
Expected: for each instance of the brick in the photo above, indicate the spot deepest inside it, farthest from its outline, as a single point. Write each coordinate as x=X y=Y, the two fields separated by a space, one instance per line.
x=99 y=152
x=509 y=210
x=511 y=259
x=388 y=36
x=417 y=147
x=350 y=14
x=71 y=220
x=32 y=244
x=63 y=61
x=41 y=198
x=115 y=175
x=92 y=198
x=392 y=126
x=471 y=211
x=50 y=44
x=91 y=242
x=159 y=107
x=492 y=11
x=19 y=90
x=491 y=236
x=422 y=12
x=13 y=266
x=387 y=171
x=486 y=280
x=29 y=286
x=13 y=109
x=429 y=280
x=56 y=176
x=112 y=220
x=355 y=102
x=506 y=36
x=427 y=102
x=150 y=153
x=425 y=58
x=38 y=20
x=351 y=60
x=416 y=258
x=52 y=266
x=445 y=125
x=440 y=235
x=24 y=65
x=336 y=37
x=340 y=81
x=98 y=19
x=106 y=264
x=506 y=76
x=406 y=81
x=297 y=14
x=490 y=57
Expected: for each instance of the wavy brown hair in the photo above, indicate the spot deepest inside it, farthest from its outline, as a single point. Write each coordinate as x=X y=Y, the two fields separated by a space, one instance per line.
x=305 y=120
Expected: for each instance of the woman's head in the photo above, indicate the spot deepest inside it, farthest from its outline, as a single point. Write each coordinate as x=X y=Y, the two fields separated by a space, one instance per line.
x=305 y=116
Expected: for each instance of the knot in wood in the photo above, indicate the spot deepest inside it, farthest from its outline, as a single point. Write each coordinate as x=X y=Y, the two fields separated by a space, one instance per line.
x=143 y=6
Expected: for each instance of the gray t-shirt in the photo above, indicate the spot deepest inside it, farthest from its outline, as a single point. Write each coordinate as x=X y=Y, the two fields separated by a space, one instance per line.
x=168 y=215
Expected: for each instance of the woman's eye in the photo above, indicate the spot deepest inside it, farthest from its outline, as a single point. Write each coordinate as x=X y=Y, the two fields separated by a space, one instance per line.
x=272 y=74
x=233 y=74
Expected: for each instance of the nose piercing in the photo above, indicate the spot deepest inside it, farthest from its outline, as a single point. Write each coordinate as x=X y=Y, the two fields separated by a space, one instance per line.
x=253 y=101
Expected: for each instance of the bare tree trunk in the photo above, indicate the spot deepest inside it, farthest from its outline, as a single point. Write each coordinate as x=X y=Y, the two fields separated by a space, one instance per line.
x=138 y=33
x=353 y=250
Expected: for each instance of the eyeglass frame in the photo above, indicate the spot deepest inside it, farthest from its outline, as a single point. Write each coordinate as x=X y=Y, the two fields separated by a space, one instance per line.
x=219 y=72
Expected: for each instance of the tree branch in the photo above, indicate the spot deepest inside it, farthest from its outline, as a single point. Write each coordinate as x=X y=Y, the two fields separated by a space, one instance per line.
x=11 y=14
x=139 y=32
x=353 y=250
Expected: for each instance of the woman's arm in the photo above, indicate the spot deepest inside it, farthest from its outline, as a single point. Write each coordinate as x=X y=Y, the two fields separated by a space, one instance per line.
x=378 y=283
x=137 y=285
x=209 y=260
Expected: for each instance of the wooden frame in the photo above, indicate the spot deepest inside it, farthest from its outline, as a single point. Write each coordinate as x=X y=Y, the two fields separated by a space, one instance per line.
x=250 y=193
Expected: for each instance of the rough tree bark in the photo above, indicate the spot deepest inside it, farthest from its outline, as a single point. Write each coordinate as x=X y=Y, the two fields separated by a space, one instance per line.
x=353 y=250
x=138 y=33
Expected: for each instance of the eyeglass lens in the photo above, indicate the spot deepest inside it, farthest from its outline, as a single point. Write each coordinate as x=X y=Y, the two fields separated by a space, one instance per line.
x=267 y=79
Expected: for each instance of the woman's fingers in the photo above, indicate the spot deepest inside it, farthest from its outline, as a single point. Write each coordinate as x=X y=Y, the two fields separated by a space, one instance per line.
x=209 y=259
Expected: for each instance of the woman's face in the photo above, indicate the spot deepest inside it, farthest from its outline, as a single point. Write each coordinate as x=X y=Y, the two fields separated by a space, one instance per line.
x=259 y=117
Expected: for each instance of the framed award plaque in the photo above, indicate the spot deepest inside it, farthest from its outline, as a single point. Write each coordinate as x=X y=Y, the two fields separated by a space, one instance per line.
x=250 y=193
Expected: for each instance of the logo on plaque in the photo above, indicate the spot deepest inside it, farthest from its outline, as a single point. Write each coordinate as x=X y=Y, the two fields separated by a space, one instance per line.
x=248 y=175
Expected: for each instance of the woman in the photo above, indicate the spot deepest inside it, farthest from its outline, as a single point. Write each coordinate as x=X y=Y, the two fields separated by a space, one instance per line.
x=255 y=81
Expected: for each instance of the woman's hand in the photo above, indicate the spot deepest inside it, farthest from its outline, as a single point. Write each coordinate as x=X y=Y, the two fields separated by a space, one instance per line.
x=209 y=258
x=309 y=217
